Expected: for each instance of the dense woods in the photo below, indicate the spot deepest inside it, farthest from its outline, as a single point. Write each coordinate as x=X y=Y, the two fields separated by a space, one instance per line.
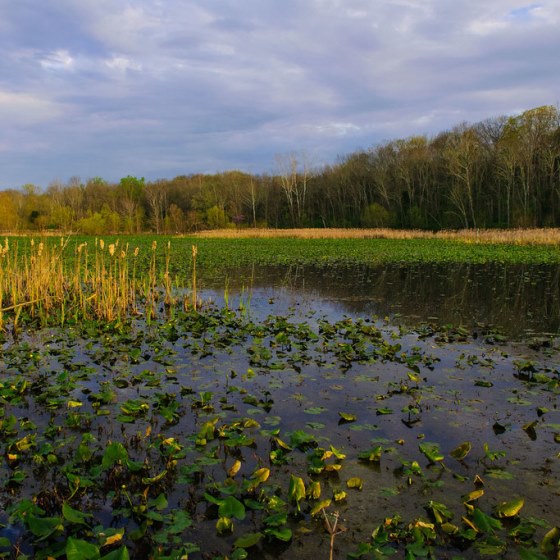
x=501 y=172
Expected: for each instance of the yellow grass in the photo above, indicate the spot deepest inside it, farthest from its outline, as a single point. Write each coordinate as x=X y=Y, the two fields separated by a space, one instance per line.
x=543 y=236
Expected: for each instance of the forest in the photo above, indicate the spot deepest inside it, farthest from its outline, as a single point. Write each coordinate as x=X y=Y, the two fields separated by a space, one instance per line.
x=498 y=173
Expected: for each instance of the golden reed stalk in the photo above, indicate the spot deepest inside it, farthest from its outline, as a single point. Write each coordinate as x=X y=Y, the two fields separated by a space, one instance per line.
x=40 y=284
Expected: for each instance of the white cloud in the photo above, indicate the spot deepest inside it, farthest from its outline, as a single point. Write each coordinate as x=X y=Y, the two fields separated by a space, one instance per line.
x=337 y=128
x=234 y=83
x=122 y=64
x=57 y=60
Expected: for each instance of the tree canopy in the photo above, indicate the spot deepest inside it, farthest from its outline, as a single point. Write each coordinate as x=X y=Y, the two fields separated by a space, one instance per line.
x=501 y=172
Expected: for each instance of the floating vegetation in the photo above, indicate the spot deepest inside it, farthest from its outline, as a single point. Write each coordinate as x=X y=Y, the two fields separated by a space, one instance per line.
x=173 y=428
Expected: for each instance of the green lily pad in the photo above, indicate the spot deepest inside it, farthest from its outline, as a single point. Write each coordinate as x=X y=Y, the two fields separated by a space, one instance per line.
x=509 y=509
x=77 y=549
x=346 y=417
x=461 y=451
x=248 y=540
x=431 y=452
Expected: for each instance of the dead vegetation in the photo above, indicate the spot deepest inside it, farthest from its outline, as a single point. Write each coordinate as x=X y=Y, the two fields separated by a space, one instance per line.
x=541 y=236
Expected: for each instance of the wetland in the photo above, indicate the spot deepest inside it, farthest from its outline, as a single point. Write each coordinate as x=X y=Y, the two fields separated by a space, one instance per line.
x=352 y=400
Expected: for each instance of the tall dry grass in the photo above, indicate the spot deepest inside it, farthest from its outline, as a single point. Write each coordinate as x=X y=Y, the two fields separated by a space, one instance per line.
x=509 y=236
x=103 y=282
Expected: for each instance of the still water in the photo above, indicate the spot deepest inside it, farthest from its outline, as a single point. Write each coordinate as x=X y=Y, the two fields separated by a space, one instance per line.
x=520 y=301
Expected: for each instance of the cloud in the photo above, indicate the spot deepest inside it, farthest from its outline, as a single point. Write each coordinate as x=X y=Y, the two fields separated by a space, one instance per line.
x=122 y=64
x=27 y=109
x=57 y=60
x=158 y=88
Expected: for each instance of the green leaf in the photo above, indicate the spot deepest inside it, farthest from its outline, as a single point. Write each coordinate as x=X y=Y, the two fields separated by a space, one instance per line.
x=500 y=474
x=531 y=554
x=119 y=554
x=461 y=451
x=384 y=410
x=296 y=492
x=373 y=455
x=77 y=549
x=431 y=452
x=181 y=521
x=302 y=440
x=73 y=515
x=284 y=534
x=440 y=512
x=315 y=410
x=114 y=452
x=346 y=417
x=491 y=546
x=483 y=383
x=248 y=540
x=338 y=454
x=276 y=519
x=511 y=508
x=154 y=479
x=213 y=499
x=551 y=541
x=232 y=507
x=239 y=554
x=160 y=503
x=484 y=523
x=44 y=527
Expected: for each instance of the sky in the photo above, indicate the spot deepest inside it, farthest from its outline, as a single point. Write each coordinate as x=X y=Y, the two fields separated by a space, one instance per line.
x=160 y=88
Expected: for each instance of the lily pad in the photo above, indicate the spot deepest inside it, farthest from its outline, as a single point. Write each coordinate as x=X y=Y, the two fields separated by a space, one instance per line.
x=509 y=509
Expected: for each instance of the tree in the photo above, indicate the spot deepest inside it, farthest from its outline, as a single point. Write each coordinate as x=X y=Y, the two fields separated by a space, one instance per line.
x=375 y=216
x=156 y=196
x=461 y=155
x=294 y=176
x=9 y=218
x=526 y=137
x=216 y=218
x=130 y=195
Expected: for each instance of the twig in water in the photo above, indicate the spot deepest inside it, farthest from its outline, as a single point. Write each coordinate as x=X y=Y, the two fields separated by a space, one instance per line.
x=333 y=528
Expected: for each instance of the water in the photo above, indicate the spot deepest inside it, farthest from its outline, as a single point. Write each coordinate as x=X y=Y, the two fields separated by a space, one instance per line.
x=520 y=301
x=463 y=391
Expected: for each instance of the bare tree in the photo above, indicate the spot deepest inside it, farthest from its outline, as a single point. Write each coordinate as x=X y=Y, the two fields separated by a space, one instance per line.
x=156 y=197
x=461 y=155
x=294 y=177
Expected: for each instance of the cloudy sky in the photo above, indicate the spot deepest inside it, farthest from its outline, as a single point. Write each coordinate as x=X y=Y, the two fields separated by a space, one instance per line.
x=159 y=88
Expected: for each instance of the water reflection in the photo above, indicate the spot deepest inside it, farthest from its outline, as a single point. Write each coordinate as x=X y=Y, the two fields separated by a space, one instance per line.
x=519 y=300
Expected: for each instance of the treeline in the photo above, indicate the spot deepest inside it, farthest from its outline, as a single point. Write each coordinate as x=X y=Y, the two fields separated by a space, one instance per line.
x=501 y=172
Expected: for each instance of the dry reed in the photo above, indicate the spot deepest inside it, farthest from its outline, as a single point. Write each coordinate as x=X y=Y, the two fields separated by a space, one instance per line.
x=104 y=285
x=525 y=236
